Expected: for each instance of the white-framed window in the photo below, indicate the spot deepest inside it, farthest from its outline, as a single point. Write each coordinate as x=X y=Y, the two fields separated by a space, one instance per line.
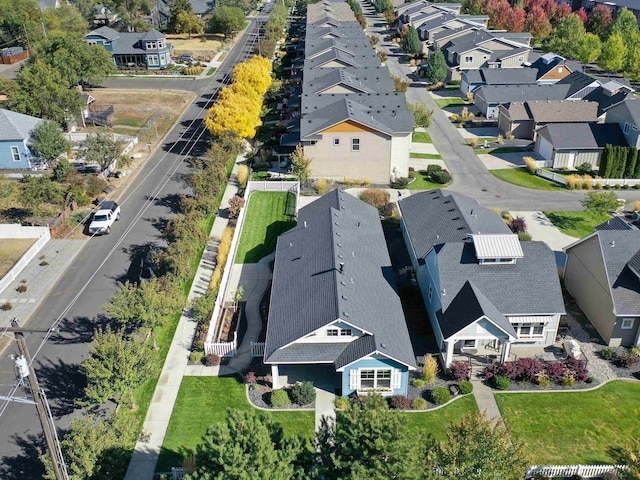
x=375 y=378
x=15 y=153
x=469 y=343
x=468 y=59
x=626 y=129
x=355 y=144
x=160 y=44
x=529 y=330
x=333 y=332
x=336 y=142
x=162 y=58
x=560 y=69
x=152 y=59
x=345 y=332
x=152 y=45
x=627 y=323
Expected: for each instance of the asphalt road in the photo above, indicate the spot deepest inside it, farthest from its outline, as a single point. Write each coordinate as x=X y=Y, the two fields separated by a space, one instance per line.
x=92 y=278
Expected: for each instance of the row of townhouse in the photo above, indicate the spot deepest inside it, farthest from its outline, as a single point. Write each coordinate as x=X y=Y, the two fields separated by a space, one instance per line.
x=351 y=123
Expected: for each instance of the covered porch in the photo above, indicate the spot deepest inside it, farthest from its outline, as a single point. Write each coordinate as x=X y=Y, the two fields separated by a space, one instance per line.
x=323 y=376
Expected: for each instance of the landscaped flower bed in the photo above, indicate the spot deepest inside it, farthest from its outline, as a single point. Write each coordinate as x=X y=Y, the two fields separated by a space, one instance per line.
x=625 y=362
x=528 y=372
x=262 y=394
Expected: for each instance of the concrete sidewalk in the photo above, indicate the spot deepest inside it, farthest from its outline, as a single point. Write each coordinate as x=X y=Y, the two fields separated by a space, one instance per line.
x=324 y=407
x=40 y=279
x=486 y=402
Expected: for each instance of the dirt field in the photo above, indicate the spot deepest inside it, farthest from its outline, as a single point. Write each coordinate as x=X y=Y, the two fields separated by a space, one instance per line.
x=202 y=50
x=11 y=251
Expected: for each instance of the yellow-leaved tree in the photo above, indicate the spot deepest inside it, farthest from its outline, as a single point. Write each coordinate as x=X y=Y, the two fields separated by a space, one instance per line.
x=255 y=73
x=233 y=112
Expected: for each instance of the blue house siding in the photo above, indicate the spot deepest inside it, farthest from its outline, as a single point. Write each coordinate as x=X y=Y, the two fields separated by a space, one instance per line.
x=6 y=155
x=373 y=363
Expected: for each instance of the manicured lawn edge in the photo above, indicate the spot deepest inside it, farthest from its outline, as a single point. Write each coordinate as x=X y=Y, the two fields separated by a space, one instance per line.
x=575 y=223
x=484 y=151
x=448 y=102
x=430 y=156
x=421 y=137
x=521 y=177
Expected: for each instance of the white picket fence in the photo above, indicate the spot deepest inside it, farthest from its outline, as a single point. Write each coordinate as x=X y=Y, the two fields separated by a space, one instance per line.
x=584 y=471
x=257 y=349
x=222 y=349
x=178 y=473
x=562 y=179
x=18 y=231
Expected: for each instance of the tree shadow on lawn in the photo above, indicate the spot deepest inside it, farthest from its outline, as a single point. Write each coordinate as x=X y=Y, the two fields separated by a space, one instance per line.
x=171 y=458
x=26 y=465
x=269 y=245
x=564 y=222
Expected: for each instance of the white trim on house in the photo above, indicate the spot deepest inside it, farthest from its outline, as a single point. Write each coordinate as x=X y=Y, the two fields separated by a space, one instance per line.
x=480 y=337
x=370 y=356
x=627 y=323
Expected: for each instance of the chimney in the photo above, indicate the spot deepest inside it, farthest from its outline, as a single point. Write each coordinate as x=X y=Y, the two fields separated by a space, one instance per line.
x=341 y=267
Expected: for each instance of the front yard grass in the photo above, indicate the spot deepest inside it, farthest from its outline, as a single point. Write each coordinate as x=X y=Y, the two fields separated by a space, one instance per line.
x=576 y=427
x=576 y=223
x=448 y=102
x=422 y=182
x=431 y=156
x=520 y=176
x=202 y=402
x=422 y=137
x=436 y=422
x=11 y=251
x=265 y=220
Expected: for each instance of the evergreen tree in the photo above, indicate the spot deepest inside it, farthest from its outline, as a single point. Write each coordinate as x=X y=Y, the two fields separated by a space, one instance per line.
x=436 y=67
x=411 y=43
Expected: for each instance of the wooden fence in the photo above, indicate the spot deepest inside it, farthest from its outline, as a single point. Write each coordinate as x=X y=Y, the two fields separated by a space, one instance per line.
x=584 y=471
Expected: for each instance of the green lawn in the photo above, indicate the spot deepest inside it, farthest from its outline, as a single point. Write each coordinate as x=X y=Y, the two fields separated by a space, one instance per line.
x=437 y=421
x=265 y=220
x=422 y=137
x=522 y=177
x=432 y=156
x=575 y=223
x=577 y=427
x=211 y=71
x=500 y=150
x=203 y=401
x=448 y=102
x=422 y=182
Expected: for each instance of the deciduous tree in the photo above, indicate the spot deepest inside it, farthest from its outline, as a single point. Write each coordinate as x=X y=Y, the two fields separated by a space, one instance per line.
x=600 y=203
x=189 y=23
x=567 y=37
x=589 y=49
x=624 y=23
x=36 y=191
x=421 y=114
x=48 y=141
x=102 y=148
x=538 y=24
x=599 y=19
x=614 y=52
x=233 y=112
x=226 y=20
x=67 y=19
x=300 y=165
x=255 y=72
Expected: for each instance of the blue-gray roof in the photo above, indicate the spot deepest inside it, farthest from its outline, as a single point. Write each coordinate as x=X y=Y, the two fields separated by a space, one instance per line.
x=501 y=76
x=360 y=80
x=436 y=216
x=583 y=136
x=16 y=126
x=520 y=93
x=616 y=223
x=528 y=287
x=309 y=291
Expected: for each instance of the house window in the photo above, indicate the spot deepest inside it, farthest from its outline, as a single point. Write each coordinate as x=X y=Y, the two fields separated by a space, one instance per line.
x=529 y=330
x=627 y=323
x=15 y=153
x=332 y=332
x=152 y=59
x=345 y=332
x=626 y=129
x=355 y=144
x=151 y=45
x=560 y=70
x=468 y=59
x=538 y=329
x=162 y=59
x=160 y=44
x=525 y=330
x=468 y=344
x=336 y=142
x=372 y=379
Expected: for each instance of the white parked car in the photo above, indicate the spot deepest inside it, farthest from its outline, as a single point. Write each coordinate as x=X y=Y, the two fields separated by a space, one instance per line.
x=103 y=219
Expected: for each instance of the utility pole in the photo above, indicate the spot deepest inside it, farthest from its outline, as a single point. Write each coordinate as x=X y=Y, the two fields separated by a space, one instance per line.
x=26 y=34
x=25 y=369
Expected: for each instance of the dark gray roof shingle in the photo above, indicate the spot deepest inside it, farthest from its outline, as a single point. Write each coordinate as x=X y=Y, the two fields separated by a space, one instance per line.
x=16 y=126
x=583 y=135
x=521 y=93
x=616 y=223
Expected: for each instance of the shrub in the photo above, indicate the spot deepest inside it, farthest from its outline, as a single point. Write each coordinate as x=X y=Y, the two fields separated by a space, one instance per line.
x=531 y=164
x=586 y=167
x=279 y=398
x=441 y=177
x=569 y=379
x=250 y=378
x=433 y=168
x=6 y=306
x=342 y=403
x=518 y=225
x=430 y=369
x=469 y=97
x=401 y=183
x=502 y=383
x=212 y=360
x=412 y=174
x=224 y=247
x=418 y=404
x=473 y=141
x=543 y=380
x=196 y=357
x=466 y=387
x=628 y=359
x=508 y=135
x=460 y=371
x=418 y=382
x=527 y=369
x=400 y=402
x=302 y=393
x=95 y=185
x=524 y=237
x=500 y=140
x=440 y=395
x=43 y=263
x=243 y=175
x=321 y=185
x=555 y=371
x=235 y=205
x=574 y=182
x=375 y=197
x=608 y=354
x=21 y=288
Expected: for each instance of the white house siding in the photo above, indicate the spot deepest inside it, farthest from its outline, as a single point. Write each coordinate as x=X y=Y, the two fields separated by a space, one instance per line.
x=586 y=280
x=573 y=159
x=492 y=111
x=372 y=161
x=480 y=330
x=400 y=150
x=515 y=61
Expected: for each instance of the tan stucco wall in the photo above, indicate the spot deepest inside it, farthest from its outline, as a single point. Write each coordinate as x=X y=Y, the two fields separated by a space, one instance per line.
x=586 y=280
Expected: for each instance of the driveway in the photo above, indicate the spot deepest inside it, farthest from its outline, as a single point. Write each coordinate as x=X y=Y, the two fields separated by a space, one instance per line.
x=497 y=161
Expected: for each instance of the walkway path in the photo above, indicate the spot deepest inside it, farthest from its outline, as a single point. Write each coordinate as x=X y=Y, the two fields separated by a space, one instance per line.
x=325 y=402
x=486 y=401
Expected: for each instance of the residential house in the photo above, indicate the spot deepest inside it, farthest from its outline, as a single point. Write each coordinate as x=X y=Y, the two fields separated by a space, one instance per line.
x=602 y=273
x=580 y=85
x=569 y=145
x=551 y=68
x=484 y=290
x=608 y=95
x=627 y=115
x=614 y=5
x=348 y=80
x=471 y=80
x=415 y=13
x=488 y=98
x=523 y=119
x=335 y=311
x=143 y=49
x=616 y=223
x=15 y=133
x=449 y=26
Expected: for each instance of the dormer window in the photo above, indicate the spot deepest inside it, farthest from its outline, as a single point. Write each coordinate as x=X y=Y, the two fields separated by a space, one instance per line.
x=501 y=249
x=152 y=45
x=160 y=44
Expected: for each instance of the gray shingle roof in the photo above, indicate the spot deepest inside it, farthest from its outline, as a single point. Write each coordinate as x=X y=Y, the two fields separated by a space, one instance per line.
x=607 y=100
x=385 y=112
x=201 y=7
x=502 y=76
x=583 y=135
x=344 y=58
x=106 y=32
x=563 y=111
x=362 y=80
x=355 y=350
x=528 y=287
x=309 y=292
x=577 y=81
x=521 y=93
x=127 y=43
x=632 y=106
x=361 y=47
x=616 y=223
x=619 y=247
x=16 y=126
x=308 y=353
x=437 y=216
x=468 y=306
